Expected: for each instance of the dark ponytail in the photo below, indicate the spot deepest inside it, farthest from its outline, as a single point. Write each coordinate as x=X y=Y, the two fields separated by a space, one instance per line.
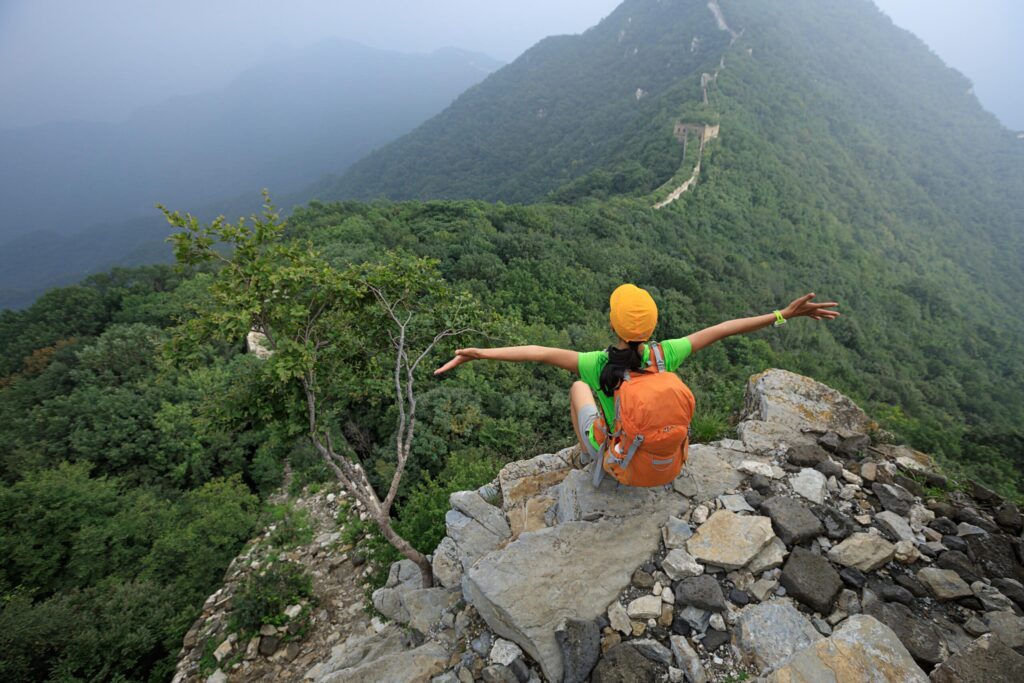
x=620 y=360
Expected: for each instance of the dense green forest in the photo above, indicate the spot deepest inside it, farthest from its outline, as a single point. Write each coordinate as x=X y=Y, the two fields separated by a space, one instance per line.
x=130 y=481
x=855 y=167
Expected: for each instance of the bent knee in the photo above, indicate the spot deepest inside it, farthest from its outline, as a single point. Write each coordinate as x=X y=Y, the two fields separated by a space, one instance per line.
x=580 y=393
x=579 y=389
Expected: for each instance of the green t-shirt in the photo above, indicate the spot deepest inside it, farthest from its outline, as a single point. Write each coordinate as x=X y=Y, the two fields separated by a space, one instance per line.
x=592 y=363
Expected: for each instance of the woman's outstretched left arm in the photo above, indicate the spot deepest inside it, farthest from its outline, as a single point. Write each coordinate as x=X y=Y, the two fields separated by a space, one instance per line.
x=560 y=358
x=802 y=307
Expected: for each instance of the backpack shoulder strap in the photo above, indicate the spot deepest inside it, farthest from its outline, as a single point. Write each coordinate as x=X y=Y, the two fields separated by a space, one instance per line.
x=657 y=356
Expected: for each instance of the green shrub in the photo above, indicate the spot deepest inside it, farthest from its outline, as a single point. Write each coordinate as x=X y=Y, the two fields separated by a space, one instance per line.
x=709 y=427
x=263 y=597
x=291 y=527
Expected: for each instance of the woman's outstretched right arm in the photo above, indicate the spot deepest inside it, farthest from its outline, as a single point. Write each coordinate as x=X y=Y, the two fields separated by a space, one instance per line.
x=560 y=358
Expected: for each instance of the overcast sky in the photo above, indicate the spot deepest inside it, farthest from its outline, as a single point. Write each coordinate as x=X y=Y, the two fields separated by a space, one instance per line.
x=101 y=59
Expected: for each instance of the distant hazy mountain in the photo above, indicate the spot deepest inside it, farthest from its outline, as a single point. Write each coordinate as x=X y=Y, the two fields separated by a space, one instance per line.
x=281 y=125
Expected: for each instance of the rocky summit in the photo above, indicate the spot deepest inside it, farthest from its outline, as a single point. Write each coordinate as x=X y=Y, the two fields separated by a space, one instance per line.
x=746 y=567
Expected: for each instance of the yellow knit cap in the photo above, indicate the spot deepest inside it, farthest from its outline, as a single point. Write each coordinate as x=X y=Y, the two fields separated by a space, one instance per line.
x=634 y=314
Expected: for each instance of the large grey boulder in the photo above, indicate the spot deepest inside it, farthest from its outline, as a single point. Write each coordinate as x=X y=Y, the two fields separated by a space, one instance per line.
x=792 y=520
x=525 y=590
x=385 y=656
x=729 y=540
x=811 y=484
x=403 y=577
x=811 y=579
x=945 y=584
x=1006 y=626
x=800 y=403
x=708 y=473
x=861 y=650
x=474 y=537
x=625 y=663
x=580 y=642
x=472 y=504
x=921 y=637
x=579 y=500
x=986 y=660
x=895 y=525
x=446 y=563
x=426 y=605
x=771 y=438
x=524 y=479
x=769 y=634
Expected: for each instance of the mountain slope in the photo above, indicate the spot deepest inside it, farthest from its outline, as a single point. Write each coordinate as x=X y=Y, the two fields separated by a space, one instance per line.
x=565 y=107
x=849 y=160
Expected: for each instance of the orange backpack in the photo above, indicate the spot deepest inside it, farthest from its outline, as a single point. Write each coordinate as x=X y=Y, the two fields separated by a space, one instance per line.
x=649 y=442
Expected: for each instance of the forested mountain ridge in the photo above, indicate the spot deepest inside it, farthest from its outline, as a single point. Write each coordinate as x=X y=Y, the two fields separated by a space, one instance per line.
x=849 y=159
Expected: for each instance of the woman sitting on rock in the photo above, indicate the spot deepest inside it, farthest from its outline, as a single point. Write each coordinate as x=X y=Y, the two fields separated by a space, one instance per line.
x=640 y=433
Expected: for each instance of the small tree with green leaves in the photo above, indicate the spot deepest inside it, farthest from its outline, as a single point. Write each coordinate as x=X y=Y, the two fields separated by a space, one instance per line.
x=342 y=339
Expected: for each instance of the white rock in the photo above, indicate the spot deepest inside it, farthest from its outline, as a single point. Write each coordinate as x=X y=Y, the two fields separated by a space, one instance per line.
x=848 y=492
x=645 y=607
x=504 y=652
x=906 y=553
x=851 y=478
x=619 y=619
x=735 y=503
x=866 y=552
x=657 y=588
x=667 y=596
x=920 y=516
x=756 y=467
x=699 y=515
x=810 y=484
x=717 y=622
x=679 y=564
x=222 y=651
x=687 y=659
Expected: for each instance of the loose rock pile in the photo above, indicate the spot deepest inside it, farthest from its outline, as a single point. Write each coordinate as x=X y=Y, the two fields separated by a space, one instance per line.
x=801 y=551
x=286 y=652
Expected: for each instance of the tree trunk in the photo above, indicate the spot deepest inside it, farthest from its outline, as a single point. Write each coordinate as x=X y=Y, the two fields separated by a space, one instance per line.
x=403 y=546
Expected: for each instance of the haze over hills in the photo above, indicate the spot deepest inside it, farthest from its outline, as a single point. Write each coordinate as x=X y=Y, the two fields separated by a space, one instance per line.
x=282 y=125
x=80 y=197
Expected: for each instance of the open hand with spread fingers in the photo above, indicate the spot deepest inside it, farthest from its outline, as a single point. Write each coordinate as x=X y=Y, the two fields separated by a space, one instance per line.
x=805 y=306
x=461 y=356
